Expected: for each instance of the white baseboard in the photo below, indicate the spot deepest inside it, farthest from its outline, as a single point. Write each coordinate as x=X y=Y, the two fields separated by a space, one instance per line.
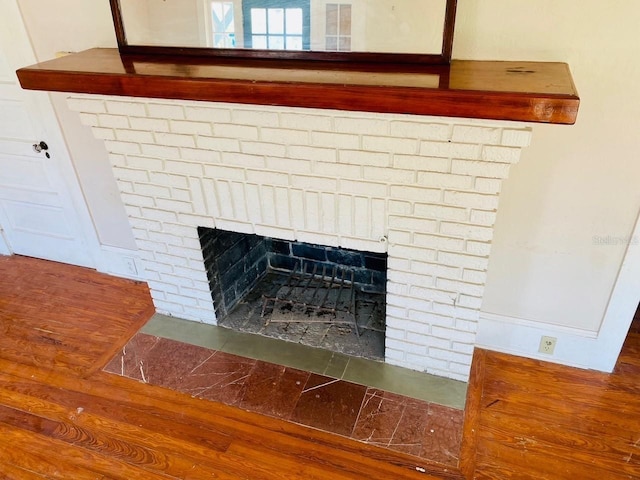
x=120 y=262
x=516 y=336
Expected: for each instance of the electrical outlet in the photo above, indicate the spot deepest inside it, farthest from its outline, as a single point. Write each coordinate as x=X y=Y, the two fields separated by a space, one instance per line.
x=547 y=345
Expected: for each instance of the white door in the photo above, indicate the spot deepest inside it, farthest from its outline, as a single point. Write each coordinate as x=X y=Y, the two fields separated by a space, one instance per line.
x=42 y=210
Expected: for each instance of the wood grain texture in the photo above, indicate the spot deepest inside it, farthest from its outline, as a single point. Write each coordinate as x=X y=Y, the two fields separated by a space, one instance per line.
x=523 y=91
x=103 y=426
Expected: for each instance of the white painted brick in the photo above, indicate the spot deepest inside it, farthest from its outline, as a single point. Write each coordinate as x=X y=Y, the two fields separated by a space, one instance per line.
x=151 y=246
x=130 y=175
x=218 y=144
x=431 y=341
x=318 y=238
x=339 y=170
x=122 y=147
x=516 y=138
x=87 y=105
x=267 y=205
x=440 y=212
x=358 y=157
x=160 y=151
x=474 y=276
x=445 y=180
x=438 y=242
x=117 y=160
x=183 y=168
x=403 y=264
x=174 y=205
x=275 y=232
x=89 y=119
x=189 y=127
x=335 y=140
x=305 y=182
x=288 y=165
x=223 y=172
x=420 y=130
x=328 y=212
x=179 y=230
x=410 y=278
x=482 y=217
x=463 y=370
x=476 y=134
x=170 y=111
x=362 y=244
x=160 y=215
x=312 y=122
x=131 y=109
x=423 y=321
x=450 y=150
x=243 y=160
x=132 y=211
x=463 y=348
x=436 y=270
x=397 y=312
x=235 y=226
x=471 y=232
x=391 y=175
x=262 y=148
x=370 y=126
x=134 y=136
x=124 y=186
x=500 y=154
x=239 y=201
x=103 y=133
x=454 y=335
x=412 y=224
x=406 y=346
x=396 y=237
x=412 y=253
x=152 y=190
x=162 y=178
x=455 y=286
x=368 y=189
x=181 y=194
x=464 y=261
x=267 y=178
x=146 y=223
x=255 y=117
x=450 y=356
x=175 y=139
x=407 y=302
x=479 y=248
x=472 y=200
x=399 y=208
x=113 y=121
x=297 y=209
x=240 y=132
x=391 y=355
x=480 y=169
x=131 y=200
x=488 y=185
x=395 y=333
x=208 y=114
x=466 y=325
x=390 y=144
x=149 y=124
x=312 y=153
x=167 y=238
x=254 y=203
x=421 y=163
x=415 y=194
x=284 y=136
x=432 y=294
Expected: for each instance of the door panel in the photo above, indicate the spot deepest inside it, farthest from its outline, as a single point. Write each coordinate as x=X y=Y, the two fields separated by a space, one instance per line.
x=41 y=204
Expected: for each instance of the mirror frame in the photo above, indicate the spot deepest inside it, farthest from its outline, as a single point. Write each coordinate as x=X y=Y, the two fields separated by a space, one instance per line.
x=442 y=58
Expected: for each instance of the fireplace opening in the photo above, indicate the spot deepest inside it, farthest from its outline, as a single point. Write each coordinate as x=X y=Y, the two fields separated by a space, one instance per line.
x=321 y=296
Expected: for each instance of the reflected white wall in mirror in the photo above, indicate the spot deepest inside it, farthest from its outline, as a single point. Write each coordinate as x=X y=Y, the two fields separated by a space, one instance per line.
x=396 y=26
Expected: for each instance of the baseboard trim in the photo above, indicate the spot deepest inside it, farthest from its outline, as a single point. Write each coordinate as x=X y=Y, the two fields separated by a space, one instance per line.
x=516 y=336
x=120 y=262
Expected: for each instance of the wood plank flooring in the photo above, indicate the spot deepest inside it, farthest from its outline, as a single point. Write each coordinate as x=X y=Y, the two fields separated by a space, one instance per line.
x=62 y=417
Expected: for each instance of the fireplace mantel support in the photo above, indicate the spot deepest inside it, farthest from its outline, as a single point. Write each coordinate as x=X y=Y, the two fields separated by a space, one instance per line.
x=520 y=91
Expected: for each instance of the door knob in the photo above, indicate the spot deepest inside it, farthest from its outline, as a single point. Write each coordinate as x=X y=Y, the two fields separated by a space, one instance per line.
x=42 y=146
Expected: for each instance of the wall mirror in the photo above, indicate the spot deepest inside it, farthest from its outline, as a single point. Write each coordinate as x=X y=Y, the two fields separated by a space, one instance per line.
x=406 y=31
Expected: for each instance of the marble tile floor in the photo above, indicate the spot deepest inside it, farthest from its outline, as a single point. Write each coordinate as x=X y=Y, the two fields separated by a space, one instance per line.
x=425 y=429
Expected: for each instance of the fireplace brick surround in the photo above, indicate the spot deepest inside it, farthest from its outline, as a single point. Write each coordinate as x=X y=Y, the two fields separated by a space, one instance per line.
x=423 y=189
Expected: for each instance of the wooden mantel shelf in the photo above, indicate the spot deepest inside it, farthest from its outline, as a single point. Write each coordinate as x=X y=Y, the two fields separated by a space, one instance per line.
x=522 y=91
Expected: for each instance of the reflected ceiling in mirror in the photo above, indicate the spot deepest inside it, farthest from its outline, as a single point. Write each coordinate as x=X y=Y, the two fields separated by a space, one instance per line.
x=358 y=30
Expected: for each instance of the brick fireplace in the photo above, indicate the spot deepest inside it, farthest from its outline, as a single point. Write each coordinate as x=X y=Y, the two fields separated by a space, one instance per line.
x=422 y=189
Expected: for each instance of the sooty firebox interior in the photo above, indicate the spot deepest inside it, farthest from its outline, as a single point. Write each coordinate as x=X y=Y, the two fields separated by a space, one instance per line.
x=320 y=296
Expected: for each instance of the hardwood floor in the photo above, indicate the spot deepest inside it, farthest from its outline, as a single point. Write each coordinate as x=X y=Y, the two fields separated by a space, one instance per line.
x=61 y=416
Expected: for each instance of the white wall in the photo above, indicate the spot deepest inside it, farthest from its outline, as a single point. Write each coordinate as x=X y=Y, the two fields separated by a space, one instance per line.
x=574 y=183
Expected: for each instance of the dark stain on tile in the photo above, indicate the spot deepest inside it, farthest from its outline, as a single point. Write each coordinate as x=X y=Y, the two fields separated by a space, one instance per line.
x=329 y=404
x=273 y=390
x=443 y=435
